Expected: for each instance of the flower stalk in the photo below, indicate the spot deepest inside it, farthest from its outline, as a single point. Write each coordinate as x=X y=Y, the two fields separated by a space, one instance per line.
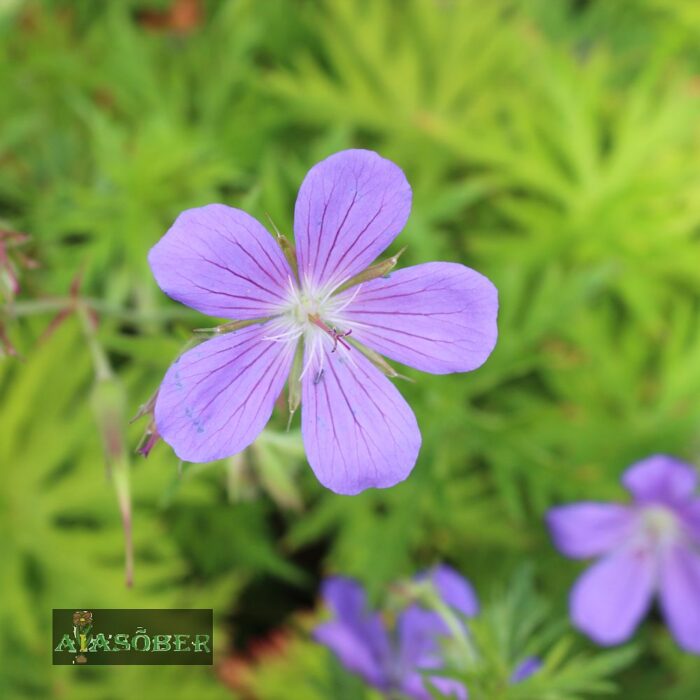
x=108 y=404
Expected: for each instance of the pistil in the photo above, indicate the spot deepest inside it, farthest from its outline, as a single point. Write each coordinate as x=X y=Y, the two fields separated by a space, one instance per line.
x=332 y=332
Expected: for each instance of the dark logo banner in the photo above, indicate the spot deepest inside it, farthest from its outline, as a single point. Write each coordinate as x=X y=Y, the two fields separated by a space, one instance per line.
x=112 y=636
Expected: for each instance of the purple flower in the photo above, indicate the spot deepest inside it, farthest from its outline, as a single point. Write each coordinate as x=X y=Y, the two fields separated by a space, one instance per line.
x=361 y=641
x=649 y=547
x=358 y=430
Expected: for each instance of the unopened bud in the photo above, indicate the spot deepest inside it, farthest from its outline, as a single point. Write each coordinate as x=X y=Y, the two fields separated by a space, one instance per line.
x=149 y=439
x=108 y=406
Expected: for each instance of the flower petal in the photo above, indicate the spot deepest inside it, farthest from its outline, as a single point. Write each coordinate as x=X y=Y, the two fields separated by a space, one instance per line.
x=583 y=530
x=453 y=588
x=438 y=317
x=690 y=517
x=525 y=669
x=609 y=600
x=216 y=398
x=358 y=430
x=357 y=637
x=222 y=262
x=420 y=649
x=418 y=633
x=350 y=207
x=448 y=688
x=680 y=595
x=413 y=686
x=661 y=479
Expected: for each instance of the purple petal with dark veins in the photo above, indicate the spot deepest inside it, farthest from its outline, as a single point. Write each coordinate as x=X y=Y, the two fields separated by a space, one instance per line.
x=437 y=317
x=356 y=636
x=222 y=262
x=583 y=530
x=358 y=430
x=350 y=207
x=609 y=600
x=680 y=595
x=216 y=398
x=661 y=479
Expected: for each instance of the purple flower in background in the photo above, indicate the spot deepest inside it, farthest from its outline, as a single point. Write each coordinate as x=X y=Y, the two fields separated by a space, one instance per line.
x=649 y=547
x=525 y=669
x=357 y=429
x=362 y=643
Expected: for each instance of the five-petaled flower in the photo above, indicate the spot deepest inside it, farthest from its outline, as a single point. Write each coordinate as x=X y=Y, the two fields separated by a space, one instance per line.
x=362 y=643
x=319 y=316
x=400 y=663
x=649 y=546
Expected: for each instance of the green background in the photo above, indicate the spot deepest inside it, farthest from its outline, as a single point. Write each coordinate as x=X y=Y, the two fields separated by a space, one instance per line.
x=553 y=145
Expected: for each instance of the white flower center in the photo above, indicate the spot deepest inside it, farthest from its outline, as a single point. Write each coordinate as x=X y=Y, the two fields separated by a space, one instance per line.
x=313 y=315
x=659 y=524
x=306 y=304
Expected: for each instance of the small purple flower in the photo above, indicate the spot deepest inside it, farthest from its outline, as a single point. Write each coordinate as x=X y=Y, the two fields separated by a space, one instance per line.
x=362 y=643
x=358 y=430
x=649 y=547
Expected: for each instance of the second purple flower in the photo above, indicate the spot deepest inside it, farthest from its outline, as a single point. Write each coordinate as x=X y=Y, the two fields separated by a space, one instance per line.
x=648 y=547
x=318 y=317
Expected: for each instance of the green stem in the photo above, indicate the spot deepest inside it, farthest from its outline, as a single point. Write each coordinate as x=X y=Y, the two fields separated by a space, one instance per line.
x=110 y=420
x=120 y=478
x=103 y=370
x=454 y=624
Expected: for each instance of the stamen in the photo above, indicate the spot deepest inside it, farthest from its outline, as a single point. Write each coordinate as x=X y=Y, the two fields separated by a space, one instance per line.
x=290 y=334
x=345 y=304
x=293 y=289
x=313 y=345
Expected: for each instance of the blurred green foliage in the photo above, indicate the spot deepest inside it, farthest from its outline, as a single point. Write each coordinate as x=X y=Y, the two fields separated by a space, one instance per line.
x=552 y=144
